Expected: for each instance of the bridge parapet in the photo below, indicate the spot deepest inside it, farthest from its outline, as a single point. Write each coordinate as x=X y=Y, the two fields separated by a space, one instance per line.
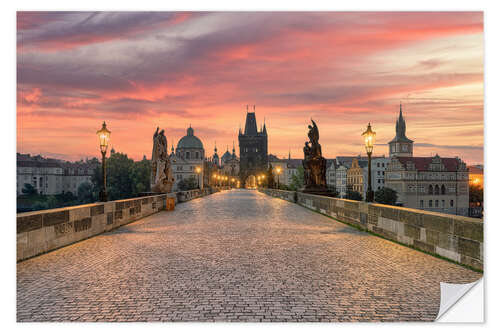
x=457 y=238
x=45 y=230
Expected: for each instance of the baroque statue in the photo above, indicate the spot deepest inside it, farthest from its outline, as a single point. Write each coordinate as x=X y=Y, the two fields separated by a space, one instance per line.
x=162 y=179
x=314 y=163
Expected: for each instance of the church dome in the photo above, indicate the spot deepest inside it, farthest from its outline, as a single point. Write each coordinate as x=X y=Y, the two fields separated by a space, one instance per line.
x=227 y=156
x=189 y=141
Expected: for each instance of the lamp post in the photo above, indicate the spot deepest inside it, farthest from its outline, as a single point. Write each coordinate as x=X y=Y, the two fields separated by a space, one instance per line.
x=278 y=171
x=103 y=135
x=198 y=170
x=369 y=136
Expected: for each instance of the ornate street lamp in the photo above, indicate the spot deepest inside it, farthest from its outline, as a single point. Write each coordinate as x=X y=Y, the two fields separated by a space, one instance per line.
x=198 y=170
x=369 y=136
x=278 y=171
x=103 y=135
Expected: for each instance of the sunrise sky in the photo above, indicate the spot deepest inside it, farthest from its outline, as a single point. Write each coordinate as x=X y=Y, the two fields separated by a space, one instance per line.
x=139 y=70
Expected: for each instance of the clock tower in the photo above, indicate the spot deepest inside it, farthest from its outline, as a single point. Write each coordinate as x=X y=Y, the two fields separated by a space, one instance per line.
x=401 y=145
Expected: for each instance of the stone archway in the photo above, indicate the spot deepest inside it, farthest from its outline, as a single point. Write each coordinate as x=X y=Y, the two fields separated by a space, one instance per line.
x=251 y=182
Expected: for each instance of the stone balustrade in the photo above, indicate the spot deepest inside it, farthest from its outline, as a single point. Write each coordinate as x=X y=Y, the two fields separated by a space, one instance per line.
x=457 y=238
x=45 y=230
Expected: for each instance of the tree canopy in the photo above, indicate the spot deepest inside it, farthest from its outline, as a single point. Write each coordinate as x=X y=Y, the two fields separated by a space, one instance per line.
x=386 y=196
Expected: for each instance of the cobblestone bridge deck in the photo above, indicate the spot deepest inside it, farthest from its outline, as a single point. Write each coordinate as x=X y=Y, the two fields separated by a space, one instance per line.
x=234 y=256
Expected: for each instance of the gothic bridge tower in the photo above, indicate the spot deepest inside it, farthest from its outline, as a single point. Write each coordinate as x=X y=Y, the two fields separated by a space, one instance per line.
x=253 y=148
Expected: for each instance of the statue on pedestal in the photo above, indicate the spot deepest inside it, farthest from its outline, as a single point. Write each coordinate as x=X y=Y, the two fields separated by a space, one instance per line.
x=162 y=179
x=314 y=163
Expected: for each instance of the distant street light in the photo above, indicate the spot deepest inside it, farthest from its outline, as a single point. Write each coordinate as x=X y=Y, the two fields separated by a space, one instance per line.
x=198 y=170
x=103 y=135
x=278 y=171
x=369 y=141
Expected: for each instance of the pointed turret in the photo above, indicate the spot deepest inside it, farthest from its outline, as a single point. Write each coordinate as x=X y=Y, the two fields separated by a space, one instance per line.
x=400 y=145
x=264 y=130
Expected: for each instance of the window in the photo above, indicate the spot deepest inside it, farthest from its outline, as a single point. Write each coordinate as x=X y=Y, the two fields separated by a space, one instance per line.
x=436 y=189
x=421 y=203
x=383 y=173
x=378 y=173
x=187 y=155
x=430 y=203
x=383 y=165
x=431 y=191
x=197 y=155
x=437 y=203
x=442 y=203
x=451 y=203
x=443 y=189
x=378 y=165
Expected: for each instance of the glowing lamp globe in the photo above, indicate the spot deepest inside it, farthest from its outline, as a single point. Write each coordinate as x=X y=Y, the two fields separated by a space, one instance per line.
x=103 y=135
x=369 y=136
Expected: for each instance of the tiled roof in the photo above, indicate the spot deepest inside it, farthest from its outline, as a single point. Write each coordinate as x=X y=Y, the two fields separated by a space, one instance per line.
x=422 y=163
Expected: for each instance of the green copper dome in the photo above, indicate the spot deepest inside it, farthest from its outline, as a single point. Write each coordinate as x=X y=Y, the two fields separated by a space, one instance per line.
x=190 y=141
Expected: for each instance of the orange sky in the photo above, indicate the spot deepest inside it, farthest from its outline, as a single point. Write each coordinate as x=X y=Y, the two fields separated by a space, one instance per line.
x=140 y=70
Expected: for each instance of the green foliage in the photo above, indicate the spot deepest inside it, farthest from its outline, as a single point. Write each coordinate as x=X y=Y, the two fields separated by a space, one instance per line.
x=297 y=179
x=386 y=196
x=125 y=178
x=353 y=195
x=140 y=176
x=29 y=190
x=475 y=193
x=187 y=184
x=85 y=194
x=332 y=191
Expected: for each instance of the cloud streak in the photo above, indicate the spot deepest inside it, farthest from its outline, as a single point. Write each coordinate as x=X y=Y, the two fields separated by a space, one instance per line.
x=142 y=69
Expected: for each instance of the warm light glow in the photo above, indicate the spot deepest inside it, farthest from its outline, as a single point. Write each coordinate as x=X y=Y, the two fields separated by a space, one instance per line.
x=103 y=135
x=278 y=170
x=369 y=139
x=198 y=169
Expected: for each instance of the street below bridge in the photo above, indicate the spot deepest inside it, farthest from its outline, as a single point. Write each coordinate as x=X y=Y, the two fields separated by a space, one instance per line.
x=234 y=256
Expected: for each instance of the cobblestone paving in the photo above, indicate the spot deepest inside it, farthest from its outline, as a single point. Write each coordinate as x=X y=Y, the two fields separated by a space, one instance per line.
x=234 y=256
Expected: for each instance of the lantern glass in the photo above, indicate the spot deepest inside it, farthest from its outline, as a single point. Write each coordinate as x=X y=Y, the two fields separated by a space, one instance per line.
x=369 y=136
x=103 y=135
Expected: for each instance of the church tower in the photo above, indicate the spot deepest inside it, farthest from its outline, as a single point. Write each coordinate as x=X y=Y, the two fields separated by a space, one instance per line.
x=401 y=145
x=253 y=148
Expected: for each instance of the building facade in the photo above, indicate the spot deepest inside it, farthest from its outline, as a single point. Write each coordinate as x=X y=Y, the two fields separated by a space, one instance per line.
x=379 y=165
x=341 y=180
x=188 y=158
x=51 y=176
x=230 y=163
x=253 y=148
x=430 y=183
x=356 y=176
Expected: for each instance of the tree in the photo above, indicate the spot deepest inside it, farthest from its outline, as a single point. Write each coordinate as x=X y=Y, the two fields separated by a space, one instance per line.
x=475 y=194
x=29 y=190
x=353 y=195
x=140 y=176
x=386 y=196
x=332 y=191
x=297 y=179
x=84 y=193
x=187 y=184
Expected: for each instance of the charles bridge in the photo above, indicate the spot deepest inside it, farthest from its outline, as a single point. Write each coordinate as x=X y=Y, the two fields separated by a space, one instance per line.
x=240 y=255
